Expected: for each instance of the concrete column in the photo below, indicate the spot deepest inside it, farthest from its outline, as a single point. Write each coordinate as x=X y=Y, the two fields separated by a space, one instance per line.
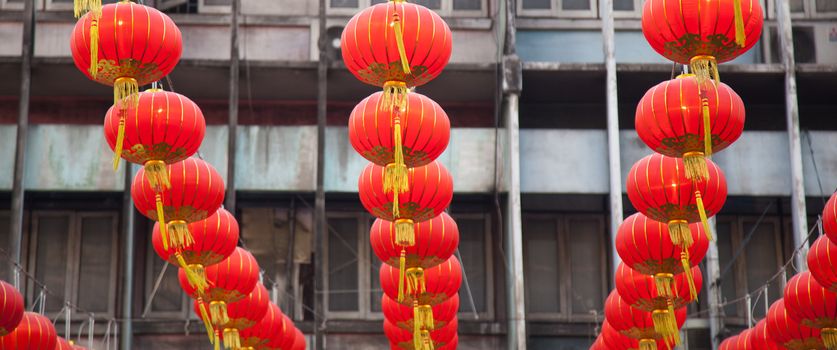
x=126 y=331
x=798 y=210
x=713 y=273
x=514 y=231
x=613 y=154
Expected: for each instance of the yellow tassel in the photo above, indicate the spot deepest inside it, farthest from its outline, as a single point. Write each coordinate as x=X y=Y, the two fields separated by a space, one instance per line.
x=395 y=177
x=125 y=92
x=647 y=344
x=829 y=338
x=695 y=163
x=218 y=313
x=417 y=341
x=94 y=47
x=206 y=321
x=705 y=68
x=680 y=233
x=395 y=95
x=703 y=218
x=707 y=127
x=179 y=234
x=217 y=341
x=415 y=281
x=399 y=41
x=232 y=340
x=423 y=315
x=405 y=232
x=80 y=7
x=161 y=218
x=687 y=270
x=195 y=274
x=666 y=325
x=427 y=342
x=157 y=174
x=402 y=270
x=740 y=35
x=120 y=139
x=663 y=283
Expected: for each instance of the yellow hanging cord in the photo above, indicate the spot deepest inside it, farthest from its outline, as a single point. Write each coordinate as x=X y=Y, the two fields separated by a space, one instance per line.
x=399 y=41
x=704 y=219
x=161 y=218
x=740 y=35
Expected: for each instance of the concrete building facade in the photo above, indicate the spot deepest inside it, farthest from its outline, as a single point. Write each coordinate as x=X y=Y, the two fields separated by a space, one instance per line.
x=541 y=96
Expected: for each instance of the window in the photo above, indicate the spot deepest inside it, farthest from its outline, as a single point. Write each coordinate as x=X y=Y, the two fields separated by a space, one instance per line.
x=169 y=300
x=559 y=8
x=564 y=265
x=75 y=255
x=475 y=251
x=347 y=254
x=807 y=8
x=63 y=5
x=467 y=8
x=760 y=259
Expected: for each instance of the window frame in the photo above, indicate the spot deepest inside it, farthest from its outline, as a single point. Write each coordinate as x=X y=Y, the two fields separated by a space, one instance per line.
x=489 y=273
x=214 y=9
x=363 y=251
x=636 y=13
x=445 y=10
x=73 y=265
x=556 y=10
x=562 y=231
x=151 y=279
x=8 y=5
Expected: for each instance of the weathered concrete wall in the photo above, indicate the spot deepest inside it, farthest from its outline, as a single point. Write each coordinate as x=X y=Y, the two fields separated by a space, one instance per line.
x=563 y=161
x=276 y=158
x=11 y=35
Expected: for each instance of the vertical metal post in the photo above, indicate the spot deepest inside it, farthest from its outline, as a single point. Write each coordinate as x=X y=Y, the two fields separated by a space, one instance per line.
x=512 y=85
x=289 y=259
x=713 y=274
x=232 y=123
x=126 y=334
x=319 y=199
x=613 y=153
x=798 y=210
x=16 y=222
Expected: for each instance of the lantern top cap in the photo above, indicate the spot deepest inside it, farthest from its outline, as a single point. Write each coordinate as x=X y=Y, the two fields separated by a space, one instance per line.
x=685 y=75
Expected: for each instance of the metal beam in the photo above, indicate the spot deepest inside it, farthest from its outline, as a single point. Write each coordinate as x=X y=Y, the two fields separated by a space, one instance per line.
x=126 y=333
x=798 y=210
x=319 y=199
x=232 y=123
x=16 y=222
x=613 y=153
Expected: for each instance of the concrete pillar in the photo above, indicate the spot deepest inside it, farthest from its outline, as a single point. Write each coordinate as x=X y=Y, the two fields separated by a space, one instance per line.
x=613 y=154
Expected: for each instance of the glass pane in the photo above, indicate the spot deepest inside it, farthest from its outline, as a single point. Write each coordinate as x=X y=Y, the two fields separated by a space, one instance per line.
x=169 y=298
x=541 y=266
x=537 y=4
x=826 y=5
x=762 y=262
x=467 y=5
x=798 y=6
x=623 y=5
x=584 y=240
x=472 y=251
x=375 y=291
x=95 y=264
x=4 y=245
x=344 y=3
x=575 y=4
x=265 y=232
x=217 y=2
x=728 y=283
x=51 y=258
x=698 y=339
x=431 y=4
x=342 y=265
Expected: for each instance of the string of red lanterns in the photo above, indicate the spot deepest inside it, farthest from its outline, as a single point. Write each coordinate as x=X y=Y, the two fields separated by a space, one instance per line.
x=398 y=46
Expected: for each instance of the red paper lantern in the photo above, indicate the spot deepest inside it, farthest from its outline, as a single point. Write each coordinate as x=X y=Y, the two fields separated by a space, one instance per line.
x=636 y=323
x=671 y=120
x=829 y=218
x=197 y=191
x=729 y=343
x=430 y=192
x=760 y=339
x=228 y=282
x=64 y=344
x=645 y=246
x=789 y=333
x=745 y=339
x=396 y=45
x=242 y=315
x=403 y=316
x=436 y=240
x=812 y=305
x=405 y=339
x=640 y=291
x=215 y=238
x=659 y=188
x=702 y=33
x=822 y=258
x=613 y=340
x=35 y=332
x=11 y=308
x=399 y=139
x=271 y=325
x=299 y=340
x=283 y=341
x=163 y=128
x=126 y=45
x=424 y=286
